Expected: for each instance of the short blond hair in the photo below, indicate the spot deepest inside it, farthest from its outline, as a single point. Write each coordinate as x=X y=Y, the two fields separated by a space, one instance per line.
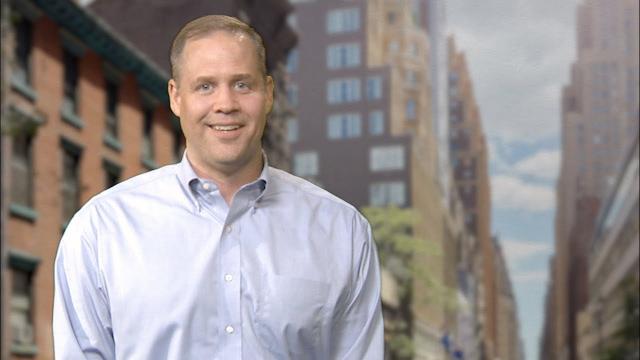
x=206 y=25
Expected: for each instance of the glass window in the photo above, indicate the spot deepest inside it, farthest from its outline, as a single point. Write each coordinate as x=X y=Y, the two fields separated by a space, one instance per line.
x=70 y=101
x=22 y=169
x=111 y=89
x=293 y=61
x=22 y=308
x=147 y=133
x=305 y=163
x=293 y=130
x=387 y=193
x=292 y=94
x=410 y=109
x=343 y=20
x=343 y=55
x=23 y=46
x=112 y=173
x=384 y=158
x=411 y=78
x=343 y=90
x=70 y=181
x=178 y=144
x=344 y=126
x=376 y=122
x=374 y=87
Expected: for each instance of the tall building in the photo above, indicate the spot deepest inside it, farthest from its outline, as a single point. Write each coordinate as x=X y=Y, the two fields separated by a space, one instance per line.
x=599 y=118
x=84 y=110
x=364 y=128
x=151 y=26
x=508 y=342
x=614 y=273
x=469 y=162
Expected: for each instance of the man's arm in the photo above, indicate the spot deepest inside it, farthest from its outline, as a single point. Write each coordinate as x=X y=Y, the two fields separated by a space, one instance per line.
x=359 y=330
x=81 y=318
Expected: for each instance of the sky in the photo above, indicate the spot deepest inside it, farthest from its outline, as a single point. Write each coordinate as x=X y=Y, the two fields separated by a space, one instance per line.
x=519 y=53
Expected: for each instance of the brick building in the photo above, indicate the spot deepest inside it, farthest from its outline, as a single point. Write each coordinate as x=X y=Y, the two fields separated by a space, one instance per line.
x=84 y=111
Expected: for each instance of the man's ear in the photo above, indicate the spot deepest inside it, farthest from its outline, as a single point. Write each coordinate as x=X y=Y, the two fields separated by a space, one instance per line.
x=269 y=85
x=174 y=97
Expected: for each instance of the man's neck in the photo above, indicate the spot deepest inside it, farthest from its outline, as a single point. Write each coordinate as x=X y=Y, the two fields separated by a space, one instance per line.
x=231 y=179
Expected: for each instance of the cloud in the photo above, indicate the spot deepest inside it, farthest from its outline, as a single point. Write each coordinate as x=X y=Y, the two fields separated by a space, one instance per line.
x=542 y=165
x=517 y=250
x=536 y=276
x=519 y=54
x=510 y=192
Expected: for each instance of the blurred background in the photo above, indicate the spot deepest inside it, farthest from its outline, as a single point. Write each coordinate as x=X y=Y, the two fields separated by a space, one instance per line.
x=493 y=146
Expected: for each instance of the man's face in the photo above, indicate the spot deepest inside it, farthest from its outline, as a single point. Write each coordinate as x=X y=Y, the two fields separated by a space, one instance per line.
x=222 y=100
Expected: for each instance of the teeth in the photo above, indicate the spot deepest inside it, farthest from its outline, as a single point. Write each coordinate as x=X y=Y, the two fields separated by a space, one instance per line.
x=226 y=127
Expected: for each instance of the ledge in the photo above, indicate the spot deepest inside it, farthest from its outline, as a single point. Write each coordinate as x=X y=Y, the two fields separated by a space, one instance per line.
x=72 y=119
x=150 y=164
x=112 y=142
x=24 y=350
x=24 y=89
x=23 y=212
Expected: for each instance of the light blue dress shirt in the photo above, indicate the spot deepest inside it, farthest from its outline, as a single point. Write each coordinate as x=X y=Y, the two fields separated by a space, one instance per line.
x=159 y=267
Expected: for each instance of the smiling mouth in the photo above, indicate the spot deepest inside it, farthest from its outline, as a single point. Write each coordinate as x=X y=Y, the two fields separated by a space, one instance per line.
x=224 y=127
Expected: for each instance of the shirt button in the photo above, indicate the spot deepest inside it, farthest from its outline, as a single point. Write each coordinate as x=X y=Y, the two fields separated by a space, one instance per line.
x=228 y=277
x=229 y=329
x=227 y=229
x=206 y=186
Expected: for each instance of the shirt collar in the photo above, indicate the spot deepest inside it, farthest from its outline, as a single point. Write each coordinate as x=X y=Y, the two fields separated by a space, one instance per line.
x=187 y=176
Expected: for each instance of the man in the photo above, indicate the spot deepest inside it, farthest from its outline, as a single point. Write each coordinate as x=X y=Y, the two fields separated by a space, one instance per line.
x=219 y=256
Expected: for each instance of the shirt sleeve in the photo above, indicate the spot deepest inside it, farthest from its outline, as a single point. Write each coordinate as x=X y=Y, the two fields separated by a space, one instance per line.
x=81 y=318
x=359 y=330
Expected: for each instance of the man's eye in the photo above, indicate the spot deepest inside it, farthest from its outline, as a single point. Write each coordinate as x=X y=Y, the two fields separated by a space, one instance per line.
x=241 y=85
x=204 y=87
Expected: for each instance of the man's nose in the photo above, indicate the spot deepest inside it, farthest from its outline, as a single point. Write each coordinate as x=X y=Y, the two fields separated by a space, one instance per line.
x=225 y=100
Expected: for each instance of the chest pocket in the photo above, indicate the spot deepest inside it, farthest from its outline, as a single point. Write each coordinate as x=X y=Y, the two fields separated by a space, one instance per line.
x=290 y=314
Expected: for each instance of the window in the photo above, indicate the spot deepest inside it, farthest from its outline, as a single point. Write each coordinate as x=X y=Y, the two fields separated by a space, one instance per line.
x=23 y=268
x=374 y=87
x=344 y=126
x=410 y=109
x=70 y=179
x=178 y=144
x=343 y=90
x=343 y=55
x=293 y=130
x=383 y=158
x=112 y=173
x=411 y=78
x=343 y=20
x=22 y=169
x=305 y=163
x=387 y=193
x=70 y=101
x=292 y=94
x=147 y=134
x=23 y=47
x=376 y=123
x=111 y=89
x=293 y=61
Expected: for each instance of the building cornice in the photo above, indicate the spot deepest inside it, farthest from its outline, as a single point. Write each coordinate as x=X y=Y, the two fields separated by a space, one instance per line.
x=100 y=38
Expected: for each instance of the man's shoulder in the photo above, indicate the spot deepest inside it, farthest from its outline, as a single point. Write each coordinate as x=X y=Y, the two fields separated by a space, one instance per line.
x=295 y=186
x=150 y=182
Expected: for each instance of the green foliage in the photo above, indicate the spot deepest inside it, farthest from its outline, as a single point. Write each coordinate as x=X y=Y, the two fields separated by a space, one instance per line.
x=404 y=255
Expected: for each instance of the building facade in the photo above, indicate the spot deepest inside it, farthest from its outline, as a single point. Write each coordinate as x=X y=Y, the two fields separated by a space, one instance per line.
x=599 y=119
x=614 y=273
x=84 y=111
x=151 y=26
x=468 y=154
